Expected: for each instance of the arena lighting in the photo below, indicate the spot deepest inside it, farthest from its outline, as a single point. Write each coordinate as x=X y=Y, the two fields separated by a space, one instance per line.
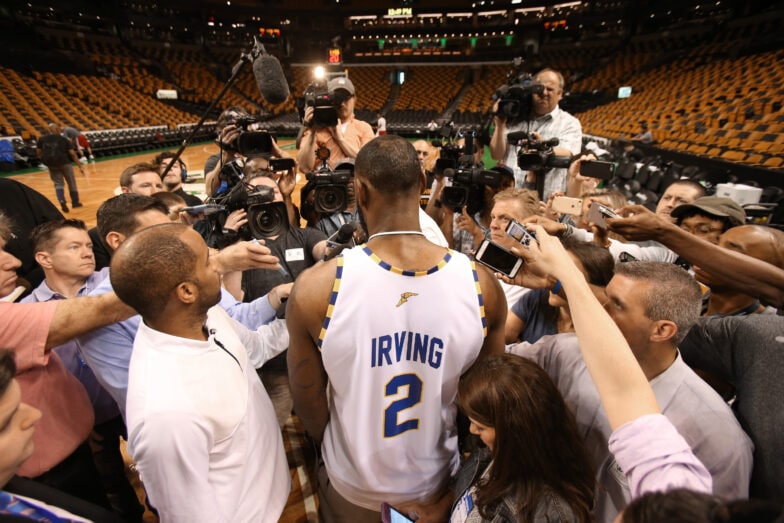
x=530 y=10
x=319 y=73
x=491 y=13
x=460 y=15
x=568 y=4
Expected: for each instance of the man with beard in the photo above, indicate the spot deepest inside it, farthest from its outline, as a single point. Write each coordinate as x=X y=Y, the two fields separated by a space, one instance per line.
x=200 y=425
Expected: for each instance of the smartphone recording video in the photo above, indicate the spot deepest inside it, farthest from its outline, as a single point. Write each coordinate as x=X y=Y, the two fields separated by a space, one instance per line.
x=498 y=259
x=597 y=169
x=598 y=212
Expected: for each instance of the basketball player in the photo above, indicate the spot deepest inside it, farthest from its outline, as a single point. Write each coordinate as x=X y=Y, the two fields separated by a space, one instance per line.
x=392 y=325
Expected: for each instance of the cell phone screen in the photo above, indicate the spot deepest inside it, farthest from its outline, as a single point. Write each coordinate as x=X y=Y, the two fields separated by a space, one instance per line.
x=397 y=517
x=390 y=514
x=498 y=259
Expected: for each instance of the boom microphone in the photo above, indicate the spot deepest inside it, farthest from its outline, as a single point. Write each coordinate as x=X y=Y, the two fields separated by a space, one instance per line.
x=270 y=78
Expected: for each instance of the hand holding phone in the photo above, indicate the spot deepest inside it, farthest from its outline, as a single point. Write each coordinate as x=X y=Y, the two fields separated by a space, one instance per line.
x=567 y=205
x=598 y=212
x=498 y=259
x=597 y=169
x=518 y=231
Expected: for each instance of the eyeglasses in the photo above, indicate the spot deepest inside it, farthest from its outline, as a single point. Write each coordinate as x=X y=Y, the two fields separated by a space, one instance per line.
x=702 y=229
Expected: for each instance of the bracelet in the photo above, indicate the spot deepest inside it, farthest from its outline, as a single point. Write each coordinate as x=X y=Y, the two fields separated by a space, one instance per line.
x=557 y=288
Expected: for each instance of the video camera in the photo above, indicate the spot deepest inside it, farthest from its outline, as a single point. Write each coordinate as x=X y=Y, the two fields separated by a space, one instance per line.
x=250 y=142
x=330 y=187
x=536 y=155
x=325 y=104
x=266 y=218
x=514 y=98
x=468 y=178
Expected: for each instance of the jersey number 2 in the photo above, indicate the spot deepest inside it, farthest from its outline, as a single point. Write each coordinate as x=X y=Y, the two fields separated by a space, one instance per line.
x=391 y=425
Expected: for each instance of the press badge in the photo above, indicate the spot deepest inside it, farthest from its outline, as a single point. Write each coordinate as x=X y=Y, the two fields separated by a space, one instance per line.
x=463 y=507
x=293 y=255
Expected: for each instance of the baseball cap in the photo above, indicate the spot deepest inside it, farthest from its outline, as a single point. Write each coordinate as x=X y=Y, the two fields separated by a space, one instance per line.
x=714 y=206
x=341 y=82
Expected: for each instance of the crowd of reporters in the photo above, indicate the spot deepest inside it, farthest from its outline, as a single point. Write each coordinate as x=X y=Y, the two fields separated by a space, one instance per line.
x=612 y=418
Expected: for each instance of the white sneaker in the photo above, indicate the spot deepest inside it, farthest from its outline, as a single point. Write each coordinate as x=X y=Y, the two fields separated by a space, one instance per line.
x=92 y=158
x=83 y=159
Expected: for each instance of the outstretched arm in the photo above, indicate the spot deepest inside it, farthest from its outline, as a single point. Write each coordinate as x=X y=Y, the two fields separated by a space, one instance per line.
x=743 y=273
x=79 y=315
x=624 y=390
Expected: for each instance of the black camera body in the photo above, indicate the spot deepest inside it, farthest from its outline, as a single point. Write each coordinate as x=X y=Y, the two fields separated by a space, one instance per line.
x=468 y=187
x=330 y=189
x=324 y=105
x=266 y=217
x=537 y=155
x=515 y=101
x=250 y=142
x=330 y=186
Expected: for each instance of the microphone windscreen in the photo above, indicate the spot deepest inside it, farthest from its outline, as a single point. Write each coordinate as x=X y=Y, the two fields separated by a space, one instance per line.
x=346 y=232
x=270 y=79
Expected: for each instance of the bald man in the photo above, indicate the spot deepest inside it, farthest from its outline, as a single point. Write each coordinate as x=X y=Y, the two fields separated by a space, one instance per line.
x=200 y=425
x=760 y=242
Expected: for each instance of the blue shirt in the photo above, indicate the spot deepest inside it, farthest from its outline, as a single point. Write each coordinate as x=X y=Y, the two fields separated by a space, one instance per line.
x=103 y=404
x=108 y=349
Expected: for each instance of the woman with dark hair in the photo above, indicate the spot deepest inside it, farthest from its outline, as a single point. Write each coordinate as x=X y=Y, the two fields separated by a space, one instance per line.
x=535 y=467
x=544 y=311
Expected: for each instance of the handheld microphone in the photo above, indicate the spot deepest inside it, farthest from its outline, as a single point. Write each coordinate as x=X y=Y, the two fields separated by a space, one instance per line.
x=342 y=239
x=270 y=78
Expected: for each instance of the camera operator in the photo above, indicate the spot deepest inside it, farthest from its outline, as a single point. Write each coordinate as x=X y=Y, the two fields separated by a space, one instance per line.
x=465 y=228
x=344 y=139
x=231 y=124
x=547 y=120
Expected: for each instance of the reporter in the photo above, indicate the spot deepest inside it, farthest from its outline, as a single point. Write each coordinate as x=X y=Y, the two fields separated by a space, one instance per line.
x=535 y=466
x=645 y=444
x=742 y=272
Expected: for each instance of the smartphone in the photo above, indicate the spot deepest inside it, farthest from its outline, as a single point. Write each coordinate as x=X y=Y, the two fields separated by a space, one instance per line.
x=518 y=231
x=390 y=514
x=598 y=212
x=281 y=164
x=597 y=169
x=498 y=259
x=567 y=205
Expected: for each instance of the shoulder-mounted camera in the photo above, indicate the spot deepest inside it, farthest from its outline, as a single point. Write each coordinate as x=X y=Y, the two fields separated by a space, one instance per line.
x=330 y=186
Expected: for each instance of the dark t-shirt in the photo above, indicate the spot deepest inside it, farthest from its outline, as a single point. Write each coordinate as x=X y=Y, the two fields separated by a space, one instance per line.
x=54 y=150
x=540 y=318
x=295 y=252
x=190 y=200
x=101 y=253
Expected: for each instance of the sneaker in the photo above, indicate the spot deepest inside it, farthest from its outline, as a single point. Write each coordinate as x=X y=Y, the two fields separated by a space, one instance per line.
x=76 y=205
x=64 y=206
x=83 y=159
x=92 y=158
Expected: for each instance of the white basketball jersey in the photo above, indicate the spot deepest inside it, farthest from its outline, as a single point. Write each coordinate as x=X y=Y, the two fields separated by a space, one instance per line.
x=394 y=345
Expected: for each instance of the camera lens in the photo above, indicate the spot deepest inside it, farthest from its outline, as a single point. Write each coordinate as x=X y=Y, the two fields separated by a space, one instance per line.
x=330 y=199
x=268 y=219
